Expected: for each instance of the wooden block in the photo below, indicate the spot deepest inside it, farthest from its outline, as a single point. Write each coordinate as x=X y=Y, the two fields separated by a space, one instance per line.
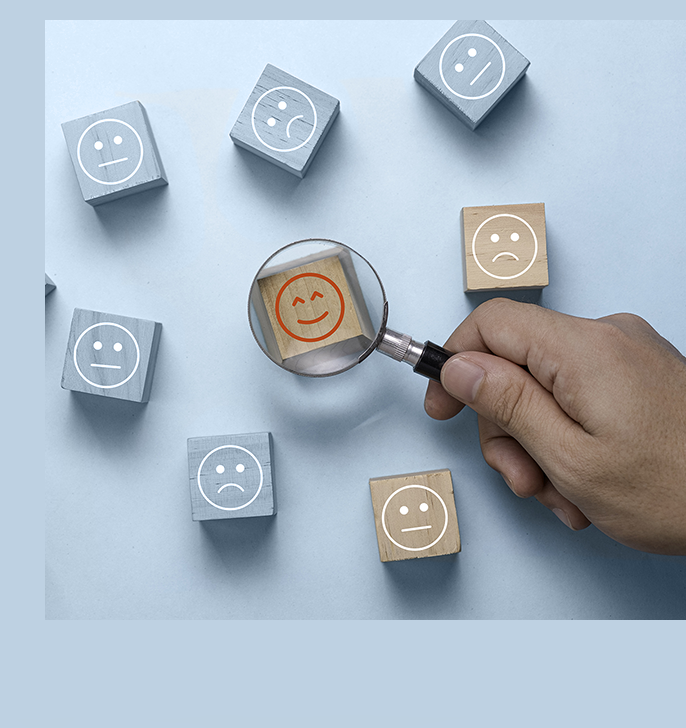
x=470 y=70
x=114 y=153
x=285 y=120
x=49 y=285
x=311 y=306
x=415 y=515
x=111 y=356
x=231 y=476
x=504 y=247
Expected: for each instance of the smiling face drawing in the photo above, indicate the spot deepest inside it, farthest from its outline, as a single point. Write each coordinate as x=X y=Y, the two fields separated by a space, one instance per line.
x=106 y=355
x=306 y=300
x=504 y=246
x=230 y=477
x=414 y=517
x=110 y=151
x=472 y=66
x=284 y=119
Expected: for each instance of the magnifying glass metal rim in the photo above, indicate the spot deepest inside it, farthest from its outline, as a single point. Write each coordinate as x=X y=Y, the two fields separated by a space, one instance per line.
x=384 y=317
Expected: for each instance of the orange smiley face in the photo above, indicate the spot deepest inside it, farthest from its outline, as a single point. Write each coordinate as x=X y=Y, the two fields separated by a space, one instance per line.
x=303 y=302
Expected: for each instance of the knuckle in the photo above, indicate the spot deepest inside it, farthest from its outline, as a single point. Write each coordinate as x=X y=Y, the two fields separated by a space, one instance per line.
x=513 y=404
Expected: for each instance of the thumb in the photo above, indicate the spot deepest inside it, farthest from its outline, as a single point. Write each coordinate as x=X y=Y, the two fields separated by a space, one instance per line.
x=509 y=396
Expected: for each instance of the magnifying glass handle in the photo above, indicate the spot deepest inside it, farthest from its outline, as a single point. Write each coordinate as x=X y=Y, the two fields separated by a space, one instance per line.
x=426 y=359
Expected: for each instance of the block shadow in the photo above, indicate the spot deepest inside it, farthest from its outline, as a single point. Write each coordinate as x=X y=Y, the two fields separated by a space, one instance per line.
x=240 y=544
x=425 y=585
x=130 y=219
x=114 y=422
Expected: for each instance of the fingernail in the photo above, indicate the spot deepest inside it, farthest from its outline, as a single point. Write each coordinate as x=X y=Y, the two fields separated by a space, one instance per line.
x=562 y=515
x=461 y=378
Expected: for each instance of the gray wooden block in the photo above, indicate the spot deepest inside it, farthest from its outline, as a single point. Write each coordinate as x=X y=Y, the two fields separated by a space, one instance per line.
x=114 y=153
x=231 y=476
x=49 y=285
x=285 y=120
x=470 y=70
x=111 y=356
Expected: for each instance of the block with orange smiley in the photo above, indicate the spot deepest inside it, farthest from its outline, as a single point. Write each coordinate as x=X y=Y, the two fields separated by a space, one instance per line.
x=310 y=307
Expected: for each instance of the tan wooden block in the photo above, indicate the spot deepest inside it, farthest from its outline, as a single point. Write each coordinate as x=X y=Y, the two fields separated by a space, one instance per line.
x=504 y=247
x=415 y=515
x=310 y=307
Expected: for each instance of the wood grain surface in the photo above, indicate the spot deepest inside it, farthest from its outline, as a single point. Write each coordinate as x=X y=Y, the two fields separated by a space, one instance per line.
x=114 y=153
x=231 y=476
x=110 y=355
x=415 y=515
x=470 y=70
x=504 y=247
x=285 y=120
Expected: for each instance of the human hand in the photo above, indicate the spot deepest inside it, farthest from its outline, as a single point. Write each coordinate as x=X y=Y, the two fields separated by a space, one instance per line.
x=595 y=429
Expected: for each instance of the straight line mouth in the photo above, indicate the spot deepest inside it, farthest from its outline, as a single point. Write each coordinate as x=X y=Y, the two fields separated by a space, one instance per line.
x=123 y=159
x=314 y=321
x=416 y=528
x=478 y=75
x=106 y=366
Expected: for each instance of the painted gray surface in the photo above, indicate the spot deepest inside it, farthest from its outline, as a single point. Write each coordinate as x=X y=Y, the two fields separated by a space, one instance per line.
x=300 y=115
x=236 y=475
x=390 y=181
x=49 y=285
x=126 y=159
x=470 y=70
x=110 y=355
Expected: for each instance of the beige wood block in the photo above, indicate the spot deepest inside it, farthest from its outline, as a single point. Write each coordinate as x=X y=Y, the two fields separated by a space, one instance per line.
x=415 y=515
x=310 y=307
x=504 y=247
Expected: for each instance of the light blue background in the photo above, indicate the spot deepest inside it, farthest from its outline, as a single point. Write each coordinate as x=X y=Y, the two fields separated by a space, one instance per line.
x=595 y=130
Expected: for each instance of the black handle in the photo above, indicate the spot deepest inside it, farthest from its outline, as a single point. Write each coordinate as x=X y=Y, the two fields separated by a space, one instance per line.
x=432 y=360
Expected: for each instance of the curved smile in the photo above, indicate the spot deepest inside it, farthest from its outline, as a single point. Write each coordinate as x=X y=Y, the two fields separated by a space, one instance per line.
x=507 y=252
x=230 y=485
x=314 y=321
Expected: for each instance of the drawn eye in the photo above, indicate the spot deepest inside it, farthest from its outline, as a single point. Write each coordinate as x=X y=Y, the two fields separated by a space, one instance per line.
x=297 y=299
x=316 y=294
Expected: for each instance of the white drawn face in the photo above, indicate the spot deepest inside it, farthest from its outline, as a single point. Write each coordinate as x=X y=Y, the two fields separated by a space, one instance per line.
x=504 y=246
x=414 y=517
x=472 y=66
x=230 y=477
x=106 y=355
x=284 y=119
x=110 y=151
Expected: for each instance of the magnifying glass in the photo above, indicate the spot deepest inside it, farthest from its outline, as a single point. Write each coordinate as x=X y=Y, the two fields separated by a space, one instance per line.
x=318 y=308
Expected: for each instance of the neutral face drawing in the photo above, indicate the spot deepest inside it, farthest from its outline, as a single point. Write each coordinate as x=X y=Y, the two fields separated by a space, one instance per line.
x=308 y=299
x=472 y=66
x=414 y=517
x=504 y=246
x=106 y=355
x=110 y=151
x=284 y=119
x=230 y=477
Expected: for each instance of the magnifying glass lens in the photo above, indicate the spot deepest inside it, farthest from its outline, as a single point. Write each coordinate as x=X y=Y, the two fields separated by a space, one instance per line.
x=317 y=308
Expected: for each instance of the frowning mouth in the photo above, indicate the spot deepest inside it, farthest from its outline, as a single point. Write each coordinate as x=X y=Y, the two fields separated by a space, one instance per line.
x=230 y=485
x=507 y=252
x=314 y=321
